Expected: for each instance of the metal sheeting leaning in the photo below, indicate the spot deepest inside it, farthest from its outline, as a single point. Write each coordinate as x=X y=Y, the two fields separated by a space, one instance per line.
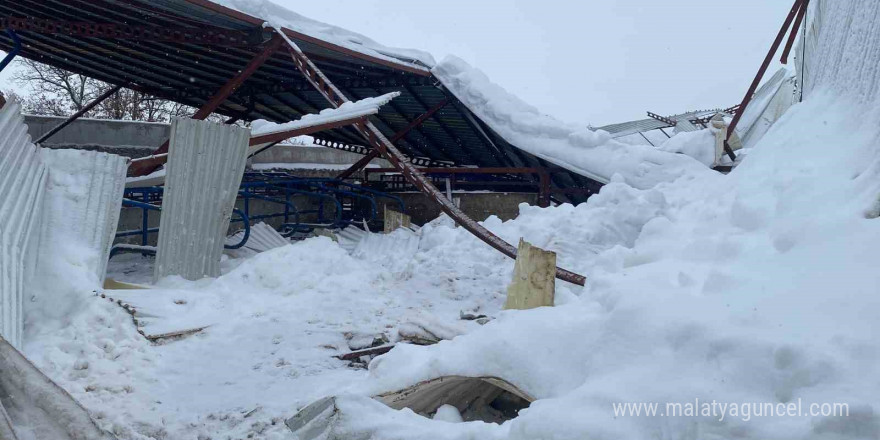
x=262 y=238
x=22 y=179
x=205 y=165
x=82 y=203
x=770 y=102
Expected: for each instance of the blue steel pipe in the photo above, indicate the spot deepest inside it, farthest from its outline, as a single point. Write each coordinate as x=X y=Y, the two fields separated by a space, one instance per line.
x=15 y=49
x=148 y=207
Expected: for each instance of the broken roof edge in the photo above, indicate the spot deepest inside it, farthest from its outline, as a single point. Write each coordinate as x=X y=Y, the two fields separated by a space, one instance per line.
x=349 y=43
x=592 y=154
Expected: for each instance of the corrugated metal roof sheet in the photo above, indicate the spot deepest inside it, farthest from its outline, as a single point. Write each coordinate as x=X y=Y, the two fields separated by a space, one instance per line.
x=205 y=166
x=22 y=179
x=87 y=212
x=642 y=125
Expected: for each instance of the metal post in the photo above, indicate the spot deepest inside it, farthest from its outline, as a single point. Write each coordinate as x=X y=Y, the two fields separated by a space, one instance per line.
x=143 y=168
x=88 y=107
x=544 y=192
x=15 y=49
x=792 y=36
x=757 y=81
x=145 y=220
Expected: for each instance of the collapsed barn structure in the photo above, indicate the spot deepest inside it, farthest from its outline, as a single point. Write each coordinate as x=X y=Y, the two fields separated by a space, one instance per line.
x=406 y=125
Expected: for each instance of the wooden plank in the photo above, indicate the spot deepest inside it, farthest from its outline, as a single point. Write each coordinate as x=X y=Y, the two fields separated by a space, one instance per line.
x=396 y=220
x=534 y=281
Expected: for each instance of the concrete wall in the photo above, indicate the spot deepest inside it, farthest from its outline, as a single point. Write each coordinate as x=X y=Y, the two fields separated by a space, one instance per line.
x=478 y=206
x=139 y=139
x=297 y=154
x=99 y=132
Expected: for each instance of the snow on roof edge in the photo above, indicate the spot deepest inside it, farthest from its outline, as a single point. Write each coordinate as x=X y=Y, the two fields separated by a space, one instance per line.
x=364 y=107
x=592 y=154
x=280 y=16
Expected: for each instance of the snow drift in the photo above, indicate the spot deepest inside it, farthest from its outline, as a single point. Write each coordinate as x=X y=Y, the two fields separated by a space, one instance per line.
x=755 y=287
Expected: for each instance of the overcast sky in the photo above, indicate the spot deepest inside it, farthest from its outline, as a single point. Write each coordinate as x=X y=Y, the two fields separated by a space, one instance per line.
x=589 y=61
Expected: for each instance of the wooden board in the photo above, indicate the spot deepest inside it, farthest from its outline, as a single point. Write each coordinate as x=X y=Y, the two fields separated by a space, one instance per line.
x=395 y=220
x=534 y=281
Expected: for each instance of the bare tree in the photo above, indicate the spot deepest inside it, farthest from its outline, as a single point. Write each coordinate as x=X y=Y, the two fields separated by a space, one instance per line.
x=56 y=92
x=53 y=91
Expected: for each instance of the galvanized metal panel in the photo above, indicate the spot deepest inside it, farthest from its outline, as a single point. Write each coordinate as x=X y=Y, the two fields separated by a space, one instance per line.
x=22 y=179
x=82 y=202
x=205 y=165
x=262 y=238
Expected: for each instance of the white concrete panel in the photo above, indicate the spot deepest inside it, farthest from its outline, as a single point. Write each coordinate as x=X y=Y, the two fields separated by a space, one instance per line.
x=22 y=179
x=205 y=165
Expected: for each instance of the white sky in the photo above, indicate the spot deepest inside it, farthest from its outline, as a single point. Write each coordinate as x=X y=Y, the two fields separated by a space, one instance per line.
x=588 y=61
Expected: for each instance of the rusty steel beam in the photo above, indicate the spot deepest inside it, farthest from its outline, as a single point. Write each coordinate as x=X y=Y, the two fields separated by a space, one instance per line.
x=143 y=168
x=119 y=31
x=378 y=140
x=79 y=114
x=462 y=170
x=761 y=71
x=663 y=119
x=397 y=136
x=359 y=165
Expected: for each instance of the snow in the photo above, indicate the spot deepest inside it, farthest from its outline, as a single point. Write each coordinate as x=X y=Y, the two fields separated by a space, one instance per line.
x=348 y=110
x=282 y=17
x=574 y=147
x=757 y=286
x=699 y=145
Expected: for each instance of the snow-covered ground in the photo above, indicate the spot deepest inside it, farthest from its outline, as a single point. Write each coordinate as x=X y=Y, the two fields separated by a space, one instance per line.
x=756 y=287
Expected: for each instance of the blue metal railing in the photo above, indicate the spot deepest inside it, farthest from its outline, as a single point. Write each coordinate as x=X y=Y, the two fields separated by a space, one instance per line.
x=150 y=192
x=279 y=188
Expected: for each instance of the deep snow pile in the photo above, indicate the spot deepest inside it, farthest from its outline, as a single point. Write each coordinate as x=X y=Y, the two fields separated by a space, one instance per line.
x=758 y=287
x=755 y=287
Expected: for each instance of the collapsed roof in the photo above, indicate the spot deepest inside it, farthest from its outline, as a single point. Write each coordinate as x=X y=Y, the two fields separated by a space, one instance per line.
x=185 y=50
